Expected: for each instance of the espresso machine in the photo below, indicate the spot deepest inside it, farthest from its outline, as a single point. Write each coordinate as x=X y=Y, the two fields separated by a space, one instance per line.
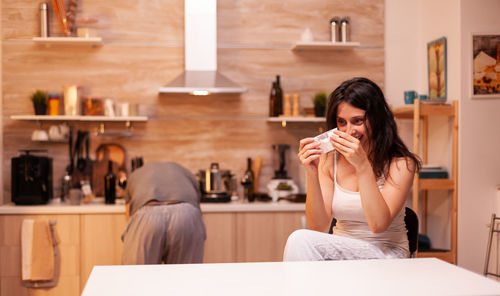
x=281 y=185
x=31 y=178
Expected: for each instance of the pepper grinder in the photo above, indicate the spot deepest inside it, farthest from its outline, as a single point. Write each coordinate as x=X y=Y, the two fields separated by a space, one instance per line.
x=296 y=106
x=344 y=29
x=287 y=107
x=334 y=28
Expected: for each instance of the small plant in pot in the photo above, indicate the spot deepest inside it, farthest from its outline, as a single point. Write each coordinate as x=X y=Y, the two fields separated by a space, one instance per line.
x=39 y=99
x=319 y=104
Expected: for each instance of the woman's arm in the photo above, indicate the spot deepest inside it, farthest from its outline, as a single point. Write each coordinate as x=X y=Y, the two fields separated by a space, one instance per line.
x=379 y=208
x=320 y=196
x=319 y=188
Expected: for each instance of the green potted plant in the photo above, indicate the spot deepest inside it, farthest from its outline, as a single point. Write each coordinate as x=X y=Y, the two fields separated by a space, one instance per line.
x=319 y=104
x=39 y=99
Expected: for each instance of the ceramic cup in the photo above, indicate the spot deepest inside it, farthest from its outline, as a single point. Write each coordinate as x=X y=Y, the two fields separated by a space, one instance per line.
x=410 y=96
x=422 y=97
x=39 y=135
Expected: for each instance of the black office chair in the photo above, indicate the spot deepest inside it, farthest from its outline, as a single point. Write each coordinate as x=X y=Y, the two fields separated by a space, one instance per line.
x=411 y=223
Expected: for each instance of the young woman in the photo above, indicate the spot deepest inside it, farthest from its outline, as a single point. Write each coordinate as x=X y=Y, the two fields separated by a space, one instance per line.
x=363 y=183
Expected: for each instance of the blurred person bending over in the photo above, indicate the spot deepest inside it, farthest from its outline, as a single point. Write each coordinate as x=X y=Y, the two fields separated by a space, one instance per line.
x=166 y=224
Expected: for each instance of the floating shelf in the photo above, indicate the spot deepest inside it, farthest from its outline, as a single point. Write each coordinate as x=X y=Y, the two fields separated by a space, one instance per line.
x=79 y=118
x=91 y=41
x=325 y=45
x=296 y=119
x=424 y=110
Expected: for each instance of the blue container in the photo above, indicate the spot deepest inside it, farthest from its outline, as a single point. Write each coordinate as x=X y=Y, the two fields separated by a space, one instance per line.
x=410 y=96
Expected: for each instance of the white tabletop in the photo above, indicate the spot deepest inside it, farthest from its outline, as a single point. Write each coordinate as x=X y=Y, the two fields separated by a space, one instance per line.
x=422 y=276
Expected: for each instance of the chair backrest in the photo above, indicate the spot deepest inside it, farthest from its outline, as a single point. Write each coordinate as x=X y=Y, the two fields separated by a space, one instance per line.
x=411 y=223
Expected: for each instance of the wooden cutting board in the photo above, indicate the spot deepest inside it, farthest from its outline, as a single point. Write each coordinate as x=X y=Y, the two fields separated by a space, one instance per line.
x=105 y=152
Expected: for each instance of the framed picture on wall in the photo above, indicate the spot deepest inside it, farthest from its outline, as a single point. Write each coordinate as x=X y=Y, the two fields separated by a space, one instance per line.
x=485 y=76
x=436 y=66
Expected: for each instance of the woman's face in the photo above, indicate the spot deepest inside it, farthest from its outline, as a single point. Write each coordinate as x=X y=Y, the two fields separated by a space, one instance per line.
x=352 y=120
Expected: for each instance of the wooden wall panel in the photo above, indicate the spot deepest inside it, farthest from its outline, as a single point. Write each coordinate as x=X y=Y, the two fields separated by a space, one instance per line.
x=100 y=242
x=143 y=50
x=262 y=237
x=10 y=253
x=282 y=22
x=117 y=21
x=220 y=246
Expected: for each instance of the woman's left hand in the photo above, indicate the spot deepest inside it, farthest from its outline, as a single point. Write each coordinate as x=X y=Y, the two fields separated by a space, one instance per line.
x=350 y=147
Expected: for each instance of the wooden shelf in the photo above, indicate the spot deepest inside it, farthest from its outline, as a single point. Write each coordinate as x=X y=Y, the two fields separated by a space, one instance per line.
x=425 y=110
x=420 y=114
x=91 y=41
x=447 y=256
x=436 y=184
x=79 y=118
x=296 y=119
x=324 y=45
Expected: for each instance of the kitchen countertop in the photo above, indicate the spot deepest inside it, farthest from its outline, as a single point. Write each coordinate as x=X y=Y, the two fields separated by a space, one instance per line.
x=101 y=208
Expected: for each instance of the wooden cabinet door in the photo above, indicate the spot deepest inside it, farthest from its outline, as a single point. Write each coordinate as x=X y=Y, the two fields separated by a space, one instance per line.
x=220 y=245
x=100 y=241
x=261 y=237
x=10 y=255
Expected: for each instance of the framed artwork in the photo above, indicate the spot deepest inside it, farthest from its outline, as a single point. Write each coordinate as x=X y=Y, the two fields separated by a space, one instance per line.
x=485 y=66
x=436 y=65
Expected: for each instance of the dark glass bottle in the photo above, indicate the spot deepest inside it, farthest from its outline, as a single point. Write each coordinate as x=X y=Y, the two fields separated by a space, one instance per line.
x=273 y=101
x=279 y=96
x=247 y=182
x=110 y=185
x=276 y=99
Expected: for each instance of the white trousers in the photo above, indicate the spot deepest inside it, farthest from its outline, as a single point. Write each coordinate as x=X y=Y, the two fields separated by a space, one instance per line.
x=309 y=245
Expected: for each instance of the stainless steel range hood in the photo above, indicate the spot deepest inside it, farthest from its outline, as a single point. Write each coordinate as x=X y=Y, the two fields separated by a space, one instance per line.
x=200 y=53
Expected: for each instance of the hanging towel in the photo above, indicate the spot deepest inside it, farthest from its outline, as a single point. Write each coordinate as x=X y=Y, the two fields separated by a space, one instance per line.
x=37 y=242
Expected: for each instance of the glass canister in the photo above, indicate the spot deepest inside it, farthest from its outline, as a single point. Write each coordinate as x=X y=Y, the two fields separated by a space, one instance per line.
x=54 y=104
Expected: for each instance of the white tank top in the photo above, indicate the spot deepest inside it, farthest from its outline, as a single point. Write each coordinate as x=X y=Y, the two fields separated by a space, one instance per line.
x=351 y=220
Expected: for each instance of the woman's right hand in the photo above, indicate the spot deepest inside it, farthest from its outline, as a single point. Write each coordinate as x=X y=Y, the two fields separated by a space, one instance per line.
x=309 y=153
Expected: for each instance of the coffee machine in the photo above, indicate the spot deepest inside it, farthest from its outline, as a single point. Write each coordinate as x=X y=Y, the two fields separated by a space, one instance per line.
x=31 y=178
x=281 y=185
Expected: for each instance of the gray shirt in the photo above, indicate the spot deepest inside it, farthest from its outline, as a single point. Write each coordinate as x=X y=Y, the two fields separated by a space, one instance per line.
x=162 y=181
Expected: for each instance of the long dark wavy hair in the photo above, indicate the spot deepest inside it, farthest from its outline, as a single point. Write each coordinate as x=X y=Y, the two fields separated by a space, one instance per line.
x=385 y=143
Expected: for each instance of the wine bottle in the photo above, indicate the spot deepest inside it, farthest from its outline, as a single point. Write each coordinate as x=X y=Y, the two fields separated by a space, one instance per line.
x=247 y=182
x=279 y=96
x=276 y=99
x=110 y=185
x=272 y=101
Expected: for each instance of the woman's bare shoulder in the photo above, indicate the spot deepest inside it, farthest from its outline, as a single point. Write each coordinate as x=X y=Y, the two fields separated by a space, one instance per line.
x=401 y=168
x=402 y=164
